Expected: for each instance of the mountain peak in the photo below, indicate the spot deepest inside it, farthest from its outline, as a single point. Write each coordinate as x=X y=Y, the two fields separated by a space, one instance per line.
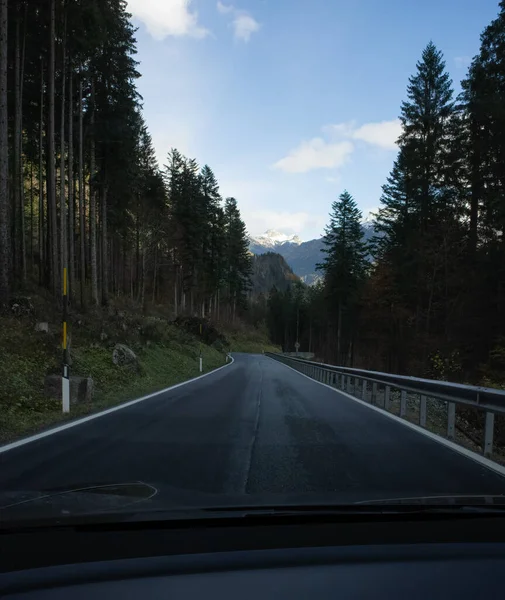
x=272 y=238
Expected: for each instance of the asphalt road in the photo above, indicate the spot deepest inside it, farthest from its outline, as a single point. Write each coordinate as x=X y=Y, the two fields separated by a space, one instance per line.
x=255 y=428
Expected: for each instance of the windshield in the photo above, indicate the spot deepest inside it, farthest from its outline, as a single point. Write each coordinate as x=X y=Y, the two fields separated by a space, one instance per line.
x=251 y=254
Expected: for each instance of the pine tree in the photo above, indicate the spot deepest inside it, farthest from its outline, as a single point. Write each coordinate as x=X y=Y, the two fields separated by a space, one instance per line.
x=422 y=202
x=345 y=264
x=483 y=100
x=5 y=262
x=238 y=258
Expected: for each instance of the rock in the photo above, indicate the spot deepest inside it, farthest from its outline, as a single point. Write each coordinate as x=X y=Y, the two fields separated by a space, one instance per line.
x=43 y=326
x=103 y=336
x=21 y=305
x=123 y=356
x=81 y=388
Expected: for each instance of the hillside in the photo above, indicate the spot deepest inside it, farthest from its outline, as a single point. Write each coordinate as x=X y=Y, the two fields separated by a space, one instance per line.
x=164 y=351
x=271 y=269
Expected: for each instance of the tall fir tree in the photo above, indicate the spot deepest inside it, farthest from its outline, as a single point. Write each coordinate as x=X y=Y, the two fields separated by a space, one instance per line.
x=344 y=267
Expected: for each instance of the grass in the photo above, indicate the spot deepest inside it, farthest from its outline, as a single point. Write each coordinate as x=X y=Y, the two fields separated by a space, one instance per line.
x=252 y=341
x=27 y=357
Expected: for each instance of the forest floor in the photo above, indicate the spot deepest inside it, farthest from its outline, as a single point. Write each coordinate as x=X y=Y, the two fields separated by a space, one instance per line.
x=167 y=352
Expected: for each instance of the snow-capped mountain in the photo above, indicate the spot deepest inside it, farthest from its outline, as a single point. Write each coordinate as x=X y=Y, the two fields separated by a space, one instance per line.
x=301 y=256
x=272 y=238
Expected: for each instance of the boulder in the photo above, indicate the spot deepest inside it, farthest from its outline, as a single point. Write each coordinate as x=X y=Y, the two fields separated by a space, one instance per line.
x=123 y=356
x=43 y=327
x=81 y=388
x=21 y=305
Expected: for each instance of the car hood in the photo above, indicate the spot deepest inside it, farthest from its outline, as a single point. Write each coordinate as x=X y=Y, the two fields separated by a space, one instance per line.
x=143 y=498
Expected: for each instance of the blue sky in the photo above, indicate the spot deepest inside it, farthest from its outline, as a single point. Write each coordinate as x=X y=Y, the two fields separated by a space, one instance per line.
x=292 y=101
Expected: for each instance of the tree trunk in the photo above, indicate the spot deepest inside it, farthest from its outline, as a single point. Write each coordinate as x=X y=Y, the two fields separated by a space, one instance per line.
x=143 y=279
x=339 y=333
x=18 y=192
x=21 y=168
x=4 y=163
x=176 y=293
x=105 y=264
x=51 y=176
x=16 y=159
x=31 y=217
x=92 y=202
x=476 y=185
x=63 y=211
x=137 y=243
x=71 y=207
x=155 y=272
x=41 y=179
x=82 y=230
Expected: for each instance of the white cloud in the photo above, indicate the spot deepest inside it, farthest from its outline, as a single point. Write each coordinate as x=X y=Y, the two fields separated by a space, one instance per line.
x=384 y=134
x=462 y=62
x=165 y=18
x=223 y=9
x=334 y=152
x=315 y=154
x=244 y=25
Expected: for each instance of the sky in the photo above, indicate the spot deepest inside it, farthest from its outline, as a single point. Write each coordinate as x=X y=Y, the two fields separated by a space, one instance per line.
x=292 y=101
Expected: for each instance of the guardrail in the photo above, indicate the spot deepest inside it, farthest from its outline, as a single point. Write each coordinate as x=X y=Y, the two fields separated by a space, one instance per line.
x=488 y=400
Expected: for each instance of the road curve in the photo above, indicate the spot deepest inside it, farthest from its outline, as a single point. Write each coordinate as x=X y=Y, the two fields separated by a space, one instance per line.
x=255 y=428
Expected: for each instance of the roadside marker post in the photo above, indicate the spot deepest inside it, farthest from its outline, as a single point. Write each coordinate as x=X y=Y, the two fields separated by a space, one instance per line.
x=65 y=379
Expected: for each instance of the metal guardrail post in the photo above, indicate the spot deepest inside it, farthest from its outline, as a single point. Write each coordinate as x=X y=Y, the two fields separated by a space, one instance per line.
x=387 y=395
x=451 y=419
x=488 y=434
x=403 y=403
x=363 y=391
x=422 y=411
x=374 y=392
x=349 y=384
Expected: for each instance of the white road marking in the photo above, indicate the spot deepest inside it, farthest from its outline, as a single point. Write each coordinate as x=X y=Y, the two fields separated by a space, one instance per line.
x=54 y=430
x=452 y=445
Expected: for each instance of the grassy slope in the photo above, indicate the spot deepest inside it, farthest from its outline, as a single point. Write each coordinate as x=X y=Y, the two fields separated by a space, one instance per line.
x=243 y=339
x=27 y=356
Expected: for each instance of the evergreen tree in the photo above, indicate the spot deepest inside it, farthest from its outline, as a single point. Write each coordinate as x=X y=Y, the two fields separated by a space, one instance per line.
x=238 y=258
x=5 y=262
x=345 y=265
x=420 y=222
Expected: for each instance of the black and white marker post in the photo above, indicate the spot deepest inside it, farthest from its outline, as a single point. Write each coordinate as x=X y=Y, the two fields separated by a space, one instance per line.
x=65 y=380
